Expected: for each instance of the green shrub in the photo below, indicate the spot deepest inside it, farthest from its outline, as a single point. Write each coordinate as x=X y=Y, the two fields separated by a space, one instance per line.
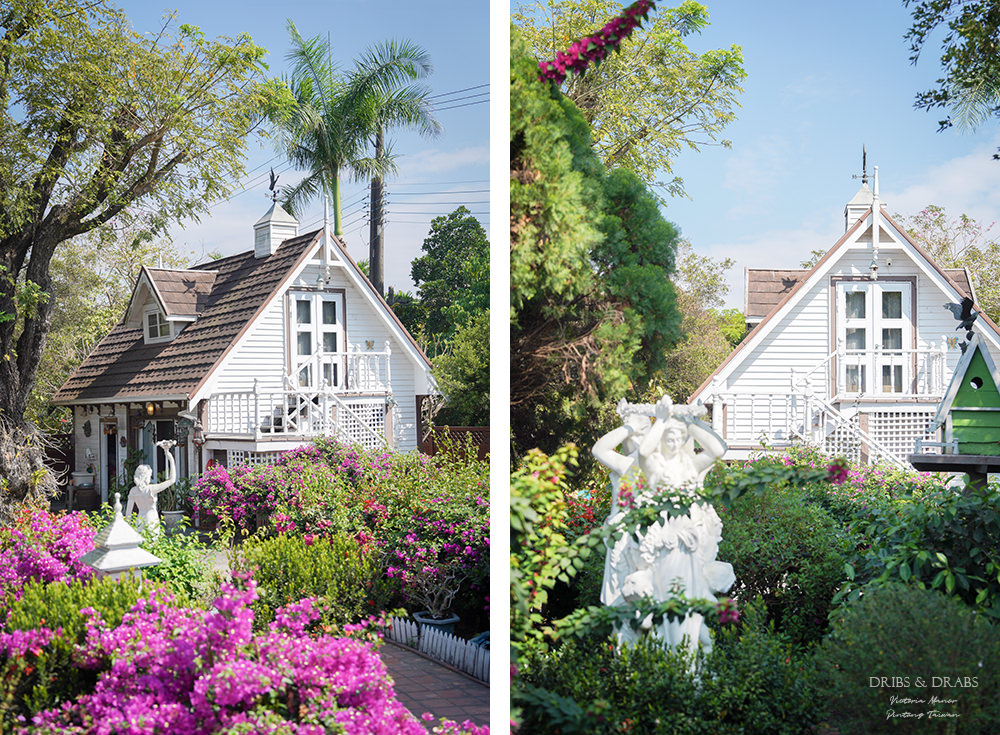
x=946 y=540
x=53 y=676
x=184 y=568
x=790 y=553
x=348 y=580
x=902 y=641
x=752 y=683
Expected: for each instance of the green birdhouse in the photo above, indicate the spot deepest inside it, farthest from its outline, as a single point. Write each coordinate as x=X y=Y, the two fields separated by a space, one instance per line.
x=970 y=411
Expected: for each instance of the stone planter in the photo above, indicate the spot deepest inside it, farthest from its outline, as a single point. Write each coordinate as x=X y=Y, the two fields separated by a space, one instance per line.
x=171 y=519
x=443 y=625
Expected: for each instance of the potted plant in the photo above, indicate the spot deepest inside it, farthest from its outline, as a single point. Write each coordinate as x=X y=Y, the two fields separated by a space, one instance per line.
x=434 y=588
x=174 y=503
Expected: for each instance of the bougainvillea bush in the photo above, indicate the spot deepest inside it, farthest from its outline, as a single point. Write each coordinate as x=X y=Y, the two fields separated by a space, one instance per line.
x=185 y=671
x=42 y=547
x=425 y=518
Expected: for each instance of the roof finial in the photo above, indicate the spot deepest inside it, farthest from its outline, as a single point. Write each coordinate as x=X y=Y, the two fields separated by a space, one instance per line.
x=864 y=167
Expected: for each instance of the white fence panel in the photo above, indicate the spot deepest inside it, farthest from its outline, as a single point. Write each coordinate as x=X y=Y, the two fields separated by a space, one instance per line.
x=445 y=647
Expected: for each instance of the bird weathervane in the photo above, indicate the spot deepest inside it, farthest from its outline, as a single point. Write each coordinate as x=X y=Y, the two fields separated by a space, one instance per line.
x=966 y=316
x=273 y=187
x=864 y=167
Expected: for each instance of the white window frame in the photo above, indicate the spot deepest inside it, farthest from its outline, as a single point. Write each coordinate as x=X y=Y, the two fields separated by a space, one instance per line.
x=334 y=369
x=161 y=322
x=870 y=365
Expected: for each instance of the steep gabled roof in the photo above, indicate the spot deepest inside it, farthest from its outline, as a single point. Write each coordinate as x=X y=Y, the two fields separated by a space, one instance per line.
x=801 y=285
x=184 y=292
x=123 y=368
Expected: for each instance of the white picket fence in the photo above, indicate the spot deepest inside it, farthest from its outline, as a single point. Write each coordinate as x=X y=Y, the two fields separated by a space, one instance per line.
x=445 y=647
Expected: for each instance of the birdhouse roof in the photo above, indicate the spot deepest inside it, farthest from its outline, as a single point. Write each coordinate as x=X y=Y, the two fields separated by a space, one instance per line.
x=975 y=353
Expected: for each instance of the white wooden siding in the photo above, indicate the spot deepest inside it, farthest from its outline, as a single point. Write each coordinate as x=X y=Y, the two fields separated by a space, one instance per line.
x=260 y=356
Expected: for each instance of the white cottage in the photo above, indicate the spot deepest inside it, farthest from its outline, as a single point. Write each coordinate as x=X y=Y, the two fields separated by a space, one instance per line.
x=853 y=355
x=246 y=356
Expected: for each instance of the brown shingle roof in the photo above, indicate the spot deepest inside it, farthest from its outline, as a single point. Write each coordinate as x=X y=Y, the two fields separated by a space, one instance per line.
x=184 y=292
x=122 y=367
x=765 y=288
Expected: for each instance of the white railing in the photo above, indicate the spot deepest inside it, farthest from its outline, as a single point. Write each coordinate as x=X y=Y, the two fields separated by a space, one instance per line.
x=779 y=420
x=298 y=413
x=364 y=371
x=923 y=372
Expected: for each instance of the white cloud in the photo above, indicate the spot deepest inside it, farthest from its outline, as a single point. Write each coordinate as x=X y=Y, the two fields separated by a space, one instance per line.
x=968 y=185
x=435 y=160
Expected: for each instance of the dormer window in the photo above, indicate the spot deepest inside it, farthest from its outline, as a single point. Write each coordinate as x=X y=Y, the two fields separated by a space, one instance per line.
x=157 y=326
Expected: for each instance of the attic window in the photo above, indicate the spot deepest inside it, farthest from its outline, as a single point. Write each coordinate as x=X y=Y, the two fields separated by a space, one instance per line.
x=157 y=326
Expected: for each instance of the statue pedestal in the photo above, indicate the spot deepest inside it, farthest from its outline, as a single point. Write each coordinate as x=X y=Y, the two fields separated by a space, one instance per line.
x=976 y=466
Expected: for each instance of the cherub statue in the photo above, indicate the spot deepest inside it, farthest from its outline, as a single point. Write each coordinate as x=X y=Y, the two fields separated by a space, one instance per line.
x=142 y=496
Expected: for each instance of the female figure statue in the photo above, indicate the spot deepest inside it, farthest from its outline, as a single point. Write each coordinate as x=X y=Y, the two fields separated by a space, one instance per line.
x=676 y=555
x=621 y=466
x=142 y=496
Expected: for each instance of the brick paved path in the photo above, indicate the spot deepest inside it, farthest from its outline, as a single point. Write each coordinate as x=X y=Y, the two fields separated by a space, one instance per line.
x=425 y=686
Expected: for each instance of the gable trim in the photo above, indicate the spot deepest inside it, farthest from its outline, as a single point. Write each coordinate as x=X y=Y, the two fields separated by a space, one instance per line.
x=277 y=291
x=923 y=261
x=765 y=326
x=144 y=277
x=381 y=306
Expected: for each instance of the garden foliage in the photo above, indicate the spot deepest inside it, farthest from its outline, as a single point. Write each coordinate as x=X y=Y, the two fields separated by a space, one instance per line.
x=913 y=638
x=425 y=521
x=343 y=576
x=753 y=682
x=187 y=671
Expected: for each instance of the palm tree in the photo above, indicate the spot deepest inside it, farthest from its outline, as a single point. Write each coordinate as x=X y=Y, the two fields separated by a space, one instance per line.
x=337 y=116
x=399 y=103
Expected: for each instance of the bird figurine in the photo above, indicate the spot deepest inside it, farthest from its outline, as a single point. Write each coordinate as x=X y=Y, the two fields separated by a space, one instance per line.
x=274 y=183
x=965 y=314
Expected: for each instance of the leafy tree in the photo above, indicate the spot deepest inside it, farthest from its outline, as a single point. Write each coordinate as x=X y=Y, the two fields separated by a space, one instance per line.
x=400 y=103
x=452 y=277
x=592 y=306
x=337 y=115
x=970 y=85
x=655 y=97
x=961 y=243
x=463 y=374
x=710 y=332
x=92 y=280
x=99 y=120
x=410 y=311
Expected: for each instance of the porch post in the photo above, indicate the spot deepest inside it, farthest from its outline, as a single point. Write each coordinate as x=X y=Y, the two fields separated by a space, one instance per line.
x=388 y=367
x=713 y=393
x=256 y=409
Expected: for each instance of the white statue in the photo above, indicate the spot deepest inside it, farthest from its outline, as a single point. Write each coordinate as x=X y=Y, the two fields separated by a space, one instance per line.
x=142 y=496
x=677 y=555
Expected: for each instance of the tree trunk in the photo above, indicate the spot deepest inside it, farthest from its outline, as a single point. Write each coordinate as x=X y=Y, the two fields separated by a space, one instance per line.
x=22 y=342
x=376 y=272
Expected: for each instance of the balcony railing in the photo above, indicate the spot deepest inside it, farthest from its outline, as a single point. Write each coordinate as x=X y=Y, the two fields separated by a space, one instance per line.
x=351 y=402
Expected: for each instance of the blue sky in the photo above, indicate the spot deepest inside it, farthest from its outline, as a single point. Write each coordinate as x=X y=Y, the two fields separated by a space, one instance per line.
x=436 y=175
x=823 y=80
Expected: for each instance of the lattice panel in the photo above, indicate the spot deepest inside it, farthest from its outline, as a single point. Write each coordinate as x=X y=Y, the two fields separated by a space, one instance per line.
x=369 y=432
x=240 y=457
x=842 y=442
x=898 y=431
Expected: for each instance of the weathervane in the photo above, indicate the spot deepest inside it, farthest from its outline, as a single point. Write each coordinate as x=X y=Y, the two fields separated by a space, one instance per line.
x=966 y=316
x=273 y=187
x=864 y=167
